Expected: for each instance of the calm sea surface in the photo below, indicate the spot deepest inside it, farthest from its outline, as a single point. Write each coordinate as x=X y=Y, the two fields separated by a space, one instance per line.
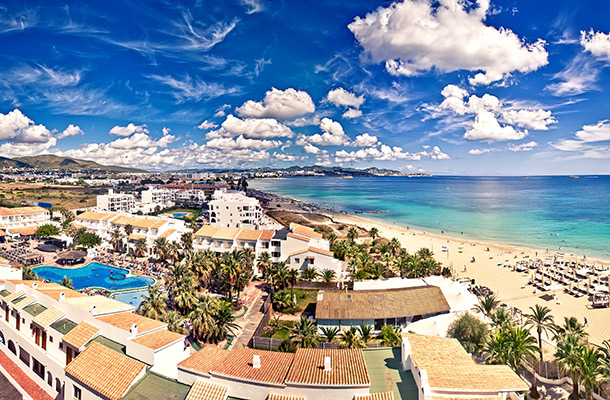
x=540 y=212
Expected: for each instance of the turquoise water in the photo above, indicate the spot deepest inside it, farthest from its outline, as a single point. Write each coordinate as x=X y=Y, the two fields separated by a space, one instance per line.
x=95 y=275
x=133 y=298
x=539 y=212
x=179 y=215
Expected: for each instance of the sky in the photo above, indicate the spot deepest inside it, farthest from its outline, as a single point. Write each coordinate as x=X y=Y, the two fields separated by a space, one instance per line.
x=465 y=87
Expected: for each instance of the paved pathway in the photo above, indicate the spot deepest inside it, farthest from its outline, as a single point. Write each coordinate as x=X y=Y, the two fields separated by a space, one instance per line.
x=26 y=383
x=251 y=321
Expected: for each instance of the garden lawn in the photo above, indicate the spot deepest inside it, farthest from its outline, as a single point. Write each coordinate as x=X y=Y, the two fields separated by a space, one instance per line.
x=306 y=301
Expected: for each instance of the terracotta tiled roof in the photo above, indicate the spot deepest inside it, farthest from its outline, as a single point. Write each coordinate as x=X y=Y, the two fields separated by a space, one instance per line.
x=347 y=368
x=136 y=236
x=205 y=359
x=284 y=397
x=202 y=390
x=10 y=297
x=206 y=231
x=139 y=222
x=26 y=231
x=25 y=302
x=249 y=234
x=305 y=231
x=267 y=234
x=226 y=233
x=449 y=367
x=21 y=210
x=274 y=365
x=389 y=303
x=299 y=237
x=2 y=233
x=81 y=335
x=125 y=320
x=105 y=371
x=167 y=233
x=158 y=339
x=95 y=216
x=313 y=250
x=56 y=293
x=381 y=396
x=48 y=316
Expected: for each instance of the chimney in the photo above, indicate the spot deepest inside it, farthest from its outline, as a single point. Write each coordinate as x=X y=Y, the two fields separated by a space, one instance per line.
x=320 y=296
x=134 y=329
x=62 y=296
x=256 y=361
x=93 y=309
x=327 y=363
x=34 y=285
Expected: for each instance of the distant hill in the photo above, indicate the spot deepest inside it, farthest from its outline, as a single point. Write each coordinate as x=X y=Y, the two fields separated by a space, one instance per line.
x=317 y=169
x=48 y=161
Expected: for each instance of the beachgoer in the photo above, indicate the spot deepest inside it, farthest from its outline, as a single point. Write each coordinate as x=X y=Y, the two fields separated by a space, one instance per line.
x=586 y=322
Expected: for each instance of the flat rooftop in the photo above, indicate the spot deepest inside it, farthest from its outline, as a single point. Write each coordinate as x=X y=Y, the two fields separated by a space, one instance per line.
x=156 y=387
x=386 y=374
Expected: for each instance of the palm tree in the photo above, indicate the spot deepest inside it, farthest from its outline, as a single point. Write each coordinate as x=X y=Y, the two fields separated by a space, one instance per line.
x=390 y=336
x=116 y=239
x=590 y=365
x=568 y=354
x=153 y=305
x=487 y=305
x=309 y=274
x=230 y=270
x=202 y=318
x=67 y=282
x=571 y=326
x=293 y=278
x=393 y=246
x=173 y=320
x=263 y=263
x=224 y=320
x=281 y=300
x=332 y=238
x=141 y=247
x=280 y=275
x=365 y=331
x=350 y=339
x=160 y=248
x=187 y=240
x=501 y=318
x=374 y=233
x=329 y=332
x=543 y=321
x=128 y=229
x=328 y=275
x=304 y=333
x=424 y=253
x=28 y=274
x=359 y=275
x=352 y=234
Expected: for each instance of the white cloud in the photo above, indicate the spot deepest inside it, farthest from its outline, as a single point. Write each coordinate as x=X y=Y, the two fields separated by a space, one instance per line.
x=252 y=128
x=205 y=125
x=128 y=130
x=488 y=112
x=252 y=6
x=599 y=132
x=342 y=97
x=587 y=141
x=387 y=153
x=242 y=143
x=285 y=157
x=365 y=140
x=352 y=113
x=191 y=88
x=416 y=36
x=71 y=130
x=579 y=76
x=22 y=136
x=522 y=147
x=311 y=149
x=304 y=121
x=477 y=152
x=221 y=111
x=332 y=135
x=279 y=104
x=596 y=43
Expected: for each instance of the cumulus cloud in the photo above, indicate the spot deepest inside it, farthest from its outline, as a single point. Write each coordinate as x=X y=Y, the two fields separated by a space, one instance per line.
x=477 y=152
x=22 y=135
x=278 y=104
x=365 y=140
x=141 y=140
x=416 y=36
x=332 y=135
x=587 y=141
x=205 y=125
x=128 y=130
x=284 y=157
x=352 y=113
x=387 y=153
x=493 y=119
x=242 y=143
x=341 y=97
x=71 y=130
x=522 y=147
x=252 y=128
x=221 y=111
x=311 y=149
x=596 y=43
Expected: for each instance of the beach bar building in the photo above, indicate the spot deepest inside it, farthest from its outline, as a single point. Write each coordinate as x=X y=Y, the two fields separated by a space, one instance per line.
x=396 y=307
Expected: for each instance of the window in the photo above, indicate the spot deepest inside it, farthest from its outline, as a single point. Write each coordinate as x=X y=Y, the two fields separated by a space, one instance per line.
x=296 y=260
x=276 y=254
x=51 y=339
x=61 y=345
x=77 y=393
x=57 y=385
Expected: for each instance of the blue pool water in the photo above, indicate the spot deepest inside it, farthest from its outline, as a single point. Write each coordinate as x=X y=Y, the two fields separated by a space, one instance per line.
x=95 y=275
x=133 y=298
x=179 y=215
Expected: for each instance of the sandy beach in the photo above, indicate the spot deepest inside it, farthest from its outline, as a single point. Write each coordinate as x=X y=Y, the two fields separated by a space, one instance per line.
x=490 y=269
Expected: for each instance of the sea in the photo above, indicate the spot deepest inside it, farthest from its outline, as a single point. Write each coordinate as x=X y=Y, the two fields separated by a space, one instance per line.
x=558 y=213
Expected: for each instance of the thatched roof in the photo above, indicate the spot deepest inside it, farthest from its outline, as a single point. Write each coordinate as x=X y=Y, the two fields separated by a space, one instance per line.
x=374 y=304
x=71 y=255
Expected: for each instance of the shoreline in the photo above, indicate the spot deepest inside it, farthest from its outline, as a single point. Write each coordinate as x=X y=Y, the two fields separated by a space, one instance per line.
x=487 y=263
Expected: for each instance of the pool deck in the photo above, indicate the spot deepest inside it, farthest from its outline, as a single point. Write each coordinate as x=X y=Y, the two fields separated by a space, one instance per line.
x=386 y=374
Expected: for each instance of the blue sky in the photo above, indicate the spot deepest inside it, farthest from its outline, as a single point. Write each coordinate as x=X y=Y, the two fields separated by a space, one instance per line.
x=451 y=87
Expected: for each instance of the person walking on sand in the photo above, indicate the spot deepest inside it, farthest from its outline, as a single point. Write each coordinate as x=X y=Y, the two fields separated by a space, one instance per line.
x=586 y=322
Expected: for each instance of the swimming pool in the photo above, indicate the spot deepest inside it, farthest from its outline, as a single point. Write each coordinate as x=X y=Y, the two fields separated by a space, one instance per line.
x=133 y=297
x=179 y=215
x=95 y=274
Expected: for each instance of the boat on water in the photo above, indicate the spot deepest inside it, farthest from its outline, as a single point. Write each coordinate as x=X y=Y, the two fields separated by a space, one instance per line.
x=574 y=176
x=347 y=177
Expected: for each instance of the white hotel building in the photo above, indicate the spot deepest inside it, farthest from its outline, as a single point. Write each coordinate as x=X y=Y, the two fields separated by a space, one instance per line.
x=116 y=202
x=235 y=210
